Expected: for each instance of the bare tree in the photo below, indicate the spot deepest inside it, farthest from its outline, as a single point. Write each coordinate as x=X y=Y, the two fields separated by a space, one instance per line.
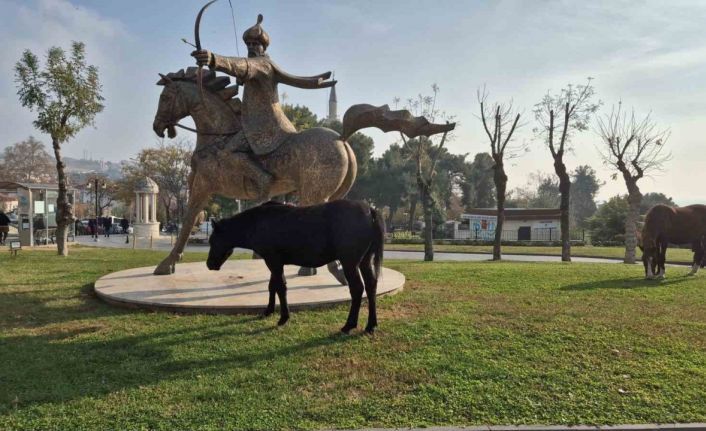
x=559 y=117
x=27 y=162
x=426 y=155
x=635 y=148
x=500 y=132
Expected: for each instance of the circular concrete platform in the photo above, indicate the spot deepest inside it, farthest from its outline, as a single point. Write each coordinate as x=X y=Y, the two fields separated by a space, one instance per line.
x=239 y=287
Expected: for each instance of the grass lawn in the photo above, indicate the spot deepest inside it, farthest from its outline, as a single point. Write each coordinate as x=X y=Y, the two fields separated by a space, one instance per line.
x=675 y=255
x=465 y=343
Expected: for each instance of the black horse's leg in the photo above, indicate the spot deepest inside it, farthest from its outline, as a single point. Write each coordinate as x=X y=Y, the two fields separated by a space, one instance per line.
x=272 y=287
x=371 y=285
x=355 y=286
x=282 y=294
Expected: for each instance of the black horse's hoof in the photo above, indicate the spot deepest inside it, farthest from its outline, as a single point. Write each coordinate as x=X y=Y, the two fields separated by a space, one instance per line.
x=267 y=312
x=282 y=320
x=347 y=329
x=370 y=330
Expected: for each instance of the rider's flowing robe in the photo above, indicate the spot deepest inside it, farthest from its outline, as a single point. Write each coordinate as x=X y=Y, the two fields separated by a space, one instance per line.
x=264 y=123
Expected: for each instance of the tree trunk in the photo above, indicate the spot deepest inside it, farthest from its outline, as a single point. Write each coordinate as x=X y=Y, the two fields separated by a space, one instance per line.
x=391 y=213
x=634 y=200
x=500 y=185
x=412 y=211
x=64 y=210
x=427 y=204
x=565 y=189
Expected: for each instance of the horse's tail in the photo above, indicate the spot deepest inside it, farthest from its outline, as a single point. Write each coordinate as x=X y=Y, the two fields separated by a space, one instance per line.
x=349 y=179
x=378 y=243
x=363 y=115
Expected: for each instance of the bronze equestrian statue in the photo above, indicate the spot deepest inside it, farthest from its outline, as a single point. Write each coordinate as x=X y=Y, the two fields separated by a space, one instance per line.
x=249 y=149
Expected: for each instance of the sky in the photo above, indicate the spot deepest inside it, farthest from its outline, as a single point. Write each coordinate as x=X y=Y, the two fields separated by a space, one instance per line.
x=651 y=55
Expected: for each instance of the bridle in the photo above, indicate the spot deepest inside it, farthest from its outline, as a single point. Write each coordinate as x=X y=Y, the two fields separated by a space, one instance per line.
x=180 y=100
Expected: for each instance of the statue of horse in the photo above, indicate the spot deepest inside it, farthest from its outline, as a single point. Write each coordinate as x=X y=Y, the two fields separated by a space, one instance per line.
x=666 y=225
x=316 y=164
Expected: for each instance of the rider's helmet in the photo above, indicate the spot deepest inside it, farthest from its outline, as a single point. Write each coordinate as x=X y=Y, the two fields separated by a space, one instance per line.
x=257 y=34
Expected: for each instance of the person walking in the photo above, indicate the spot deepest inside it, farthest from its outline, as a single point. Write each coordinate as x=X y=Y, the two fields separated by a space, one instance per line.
x=4 y=227
x=124 y=225
x=107 y=225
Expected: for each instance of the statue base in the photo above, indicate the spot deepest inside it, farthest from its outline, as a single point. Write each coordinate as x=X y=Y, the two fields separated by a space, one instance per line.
x=241 y=286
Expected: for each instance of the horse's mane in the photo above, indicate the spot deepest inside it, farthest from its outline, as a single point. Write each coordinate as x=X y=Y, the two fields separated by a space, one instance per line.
x=211 y=82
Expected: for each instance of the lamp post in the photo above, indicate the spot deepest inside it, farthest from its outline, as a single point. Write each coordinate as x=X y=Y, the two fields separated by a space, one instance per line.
x=94 y=186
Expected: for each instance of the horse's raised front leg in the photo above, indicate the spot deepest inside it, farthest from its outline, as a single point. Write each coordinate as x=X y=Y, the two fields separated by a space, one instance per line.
x=196 y=202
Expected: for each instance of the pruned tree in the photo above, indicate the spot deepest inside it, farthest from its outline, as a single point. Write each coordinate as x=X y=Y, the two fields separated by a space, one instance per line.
x=500 y=122
x=558 y=118
x=426 y=156
x=27 y=162
x=66 y=94
x=635 y=148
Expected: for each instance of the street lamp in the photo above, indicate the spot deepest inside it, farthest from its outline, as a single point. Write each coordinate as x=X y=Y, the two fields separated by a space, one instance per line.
x=94 y=186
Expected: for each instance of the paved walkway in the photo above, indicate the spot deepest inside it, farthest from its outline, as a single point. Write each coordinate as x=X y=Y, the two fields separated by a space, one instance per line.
x=164 y=243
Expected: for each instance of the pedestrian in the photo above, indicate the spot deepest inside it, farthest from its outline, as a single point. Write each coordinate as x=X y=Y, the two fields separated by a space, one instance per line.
x=92 y=227
x=124 y=225
x=107 y=224
x=4 y=227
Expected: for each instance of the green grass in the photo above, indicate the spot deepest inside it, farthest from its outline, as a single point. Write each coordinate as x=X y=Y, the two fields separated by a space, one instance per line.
x=675 y=255
x=465 y=343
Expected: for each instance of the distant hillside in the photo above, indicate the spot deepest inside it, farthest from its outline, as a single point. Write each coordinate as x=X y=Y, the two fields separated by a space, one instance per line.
x=112 y=170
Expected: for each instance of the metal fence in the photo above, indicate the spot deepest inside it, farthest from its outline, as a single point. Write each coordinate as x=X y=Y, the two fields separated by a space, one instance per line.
x=538 y=234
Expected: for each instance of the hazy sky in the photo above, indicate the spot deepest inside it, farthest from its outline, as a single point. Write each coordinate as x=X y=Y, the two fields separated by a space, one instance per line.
x=649 y=54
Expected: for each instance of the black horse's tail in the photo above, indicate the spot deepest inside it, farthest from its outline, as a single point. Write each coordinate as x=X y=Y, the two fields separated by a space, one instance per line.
x=378 y=243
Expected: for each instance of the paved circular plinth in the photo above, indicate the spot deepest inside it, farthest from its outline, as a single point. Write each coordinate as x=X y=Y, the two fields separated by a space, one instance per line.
x=239 y=287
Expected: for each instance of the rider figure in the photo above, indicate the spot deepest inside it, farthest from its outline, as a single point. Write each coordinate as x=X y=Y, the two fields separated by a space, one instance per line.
x=265 y=126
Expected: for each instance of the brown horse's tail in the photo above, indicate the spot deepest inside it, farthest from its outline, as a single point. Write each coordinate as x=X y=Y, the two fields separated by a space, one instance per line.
x=349 y=179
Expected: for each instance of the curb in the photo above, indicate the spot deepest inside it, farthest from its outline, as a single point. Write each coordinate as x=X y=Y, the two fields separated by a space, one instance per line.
x=668 y=262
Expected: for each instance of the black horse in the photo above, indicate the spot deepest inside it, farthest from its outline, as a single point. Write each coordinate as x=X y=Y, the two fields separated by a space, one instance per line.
x=347 y=231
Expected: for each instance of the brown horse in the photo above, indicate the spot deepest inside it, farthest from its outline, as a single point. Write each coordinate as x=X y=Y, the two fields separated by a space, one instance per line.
x=666 y=225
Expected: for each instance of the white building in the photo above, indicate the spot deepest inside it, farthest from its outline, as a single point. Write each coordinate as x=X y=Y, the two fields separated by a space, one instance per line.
x=521 y=224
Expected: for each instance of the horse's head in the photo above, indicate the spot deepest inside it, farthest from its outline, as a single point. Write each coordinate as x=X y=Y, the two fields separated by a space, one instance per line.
x=221 y=246
x=180 y=96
